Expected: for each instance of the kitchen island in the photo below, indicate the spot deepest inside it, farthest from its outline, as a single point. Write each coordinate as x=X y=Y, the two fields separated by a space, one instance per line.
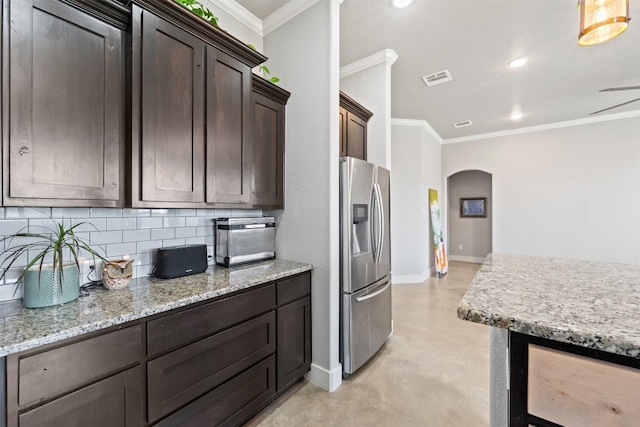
x=573 y=336
x=219 y=346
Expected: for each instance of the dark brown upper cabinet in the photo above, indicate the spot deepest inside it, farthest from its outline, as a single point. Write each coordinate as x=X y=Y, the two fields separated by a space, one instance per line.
x=353 y=128
x=269 y=103
x=191 y=94
x=64 y=84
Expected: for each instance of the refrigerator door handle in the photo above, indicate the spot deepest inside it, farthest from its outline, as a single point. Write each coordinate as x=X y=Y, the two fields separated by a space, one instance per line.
x=381 y=223
x=374 y=226
x=375 y=294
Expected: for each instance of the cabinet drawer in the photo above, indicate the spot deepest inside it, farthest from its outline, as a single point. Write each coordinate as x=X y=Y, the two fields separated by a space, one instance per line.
x=294 y=288
x=233 y=402
x=182 y=375
x=47 y=374
x=187 y=326
x=114 y=401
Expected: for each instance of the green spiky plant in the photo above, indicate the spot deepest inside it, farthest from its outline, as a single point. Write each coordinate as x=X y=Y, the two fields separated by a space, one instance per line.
x=54 y=240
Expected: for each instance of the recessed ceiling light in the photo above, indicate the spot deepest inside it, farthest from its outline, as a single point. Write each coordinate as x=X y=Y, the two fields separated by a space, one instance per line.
x=402 y=3
x=516 y=116
x=518 y=62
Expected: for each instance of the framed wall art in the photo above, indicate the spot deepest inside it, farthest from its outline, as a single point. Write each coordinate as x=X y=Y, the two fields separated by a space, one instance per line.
x=473 y=207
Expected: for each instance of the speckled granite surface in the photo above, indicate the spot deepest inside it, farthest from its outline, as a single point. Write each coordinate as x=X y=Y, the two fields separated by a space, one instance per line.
x=21 y=328
x=590 y=304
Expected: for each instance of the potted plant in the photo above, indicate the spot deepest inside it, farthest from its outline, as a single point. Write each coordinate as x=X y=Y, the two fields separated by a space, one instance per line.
x=48 y=280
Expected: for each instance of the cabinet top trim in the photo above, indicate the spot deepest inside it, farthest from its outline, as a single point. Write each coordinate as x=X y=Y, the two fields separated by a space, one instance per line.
x=109 y=11
x=188 y=21
x=353 y=106
x=268 y=89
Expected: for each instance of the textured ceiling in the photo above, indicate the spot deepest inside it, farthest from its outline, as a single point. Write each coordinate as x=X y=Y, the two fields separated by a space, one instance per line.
x=475 y=40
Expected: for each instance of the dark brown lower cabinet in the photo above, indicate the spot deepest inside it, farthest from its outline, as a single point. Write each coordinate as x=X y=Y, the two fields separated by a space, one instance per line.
x=114 y=401
x=213 y=363
x=294 y=341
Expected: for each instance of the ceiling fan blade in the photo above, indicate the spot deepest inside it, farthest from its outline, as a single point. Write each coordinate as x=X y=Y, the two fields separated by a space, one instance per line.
x=615 y=106
x=613 y=89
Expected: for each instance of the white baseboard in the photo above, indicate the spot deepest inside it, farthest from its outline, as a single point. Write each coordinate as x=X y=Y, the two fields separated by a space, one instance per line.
x=328 y=380
x=477 y=260
x=398 y=279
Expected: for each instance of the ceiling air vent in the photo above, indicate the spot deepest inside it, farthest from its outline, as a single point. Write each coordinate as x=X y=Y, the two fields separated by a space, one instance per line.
x=462 y=124
x=437 y=78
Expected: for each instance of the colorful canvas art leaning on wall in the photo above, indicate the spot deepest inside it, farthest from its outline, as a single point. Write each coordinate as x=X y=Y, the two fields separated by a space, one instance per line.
x=438 y=240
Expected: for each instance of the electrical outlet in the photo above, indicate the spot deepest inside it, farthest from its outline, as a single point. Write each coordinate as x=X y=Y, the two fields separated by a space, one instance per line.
x=90 y=270
x=460 y=247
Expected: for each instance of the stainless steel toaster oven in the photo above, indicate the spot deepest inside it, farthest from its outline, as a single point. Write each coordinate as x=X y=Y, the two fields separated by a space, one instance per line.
x=243 y=240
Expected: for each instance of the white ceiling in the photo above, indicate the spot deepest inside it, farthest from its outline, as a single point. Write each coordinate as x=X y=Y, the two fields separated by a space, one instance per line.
x=475 y=40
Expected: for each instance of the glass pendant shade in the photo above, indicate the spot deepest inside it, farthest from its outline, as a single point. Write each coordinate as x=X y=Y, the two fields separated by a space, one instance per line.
x=602 y=20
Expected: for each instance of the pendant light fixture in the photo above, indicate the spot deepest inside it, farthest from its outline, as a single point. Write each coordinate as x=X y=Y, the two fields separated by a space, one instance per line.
x=602 y=20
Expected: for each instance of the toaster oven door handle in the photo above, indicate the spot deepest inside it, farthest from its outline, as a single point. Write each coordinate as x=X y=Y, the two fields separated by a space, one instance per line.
x=255 y=226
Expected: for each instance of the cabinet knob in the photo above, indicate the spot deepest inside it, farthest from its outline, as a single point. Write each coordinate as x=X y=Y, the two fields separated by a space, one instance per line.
x=23 y=150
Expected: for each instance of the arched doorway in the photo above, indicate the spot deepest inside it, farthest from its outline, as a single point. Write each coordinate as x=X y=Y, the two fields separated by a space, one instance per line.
x=470 y=236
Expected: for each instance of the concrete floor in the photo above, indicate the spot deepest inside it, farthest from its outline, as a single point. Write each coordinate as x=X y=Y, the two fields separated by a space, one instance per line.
x=433 y=370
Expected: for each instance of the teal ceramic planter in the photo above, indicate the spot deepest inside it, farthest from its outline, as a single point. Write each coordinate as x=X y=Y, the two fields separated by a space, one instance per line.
x=42 y=287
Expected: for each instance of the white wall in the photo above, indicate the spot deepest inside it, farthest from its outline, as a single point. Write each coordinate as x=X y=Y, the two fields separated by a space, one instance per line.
x=307 y=51
x=473 y=234
x=415 y=164
x=368 y=82
x=236 y=21
x=572 y=192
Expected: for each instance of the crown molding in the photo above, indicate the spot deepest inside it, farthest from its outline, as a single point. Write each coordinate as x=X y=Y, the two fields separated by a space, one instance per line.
x=418 y=123
x=285 y=13
x=558 y=125
x=240 y=13
x=386 y=55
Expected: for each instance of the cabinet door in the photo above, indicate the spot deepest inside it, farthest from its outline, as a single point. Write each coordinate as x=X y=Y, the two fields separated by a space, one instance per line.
x=114 y=401
x=168 y=150
x=356 y=137
x=343 y=131
x=268 y=152
x=294 y=341
x=228 y=139
x=66 y=91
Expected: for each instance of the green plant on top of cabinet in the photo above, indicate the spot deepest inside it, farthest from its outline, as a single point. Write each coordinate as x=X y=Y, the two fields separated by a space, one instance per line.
x=63 y=103
x=191 y=142
x=353 y=128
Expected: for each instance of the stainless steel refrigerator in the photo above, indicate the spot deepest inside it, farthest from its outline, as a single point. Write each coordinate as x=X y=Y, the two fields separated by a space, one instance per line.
x=365 y=262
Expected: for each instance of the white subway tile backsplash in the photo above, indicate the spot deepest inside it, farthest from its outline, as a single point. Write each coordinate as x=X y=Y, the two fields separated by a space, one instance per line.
x=8 y=227
x=116 y=232
x=9 y=292
x=163 y=233
x=121 y=223
x=136 y=212
x=136 y=235
x=25 y=213
x=162 y=212
x=186 y=232
x=196 y=221
x=90 y=224
x=173 y=242
x=149 y=222
x=196 y=240
x=45 y=225
x=106 y=237
x=148 y=246
x=70 y=212
x=176 y=221
x=106 y=212
x=121 y=249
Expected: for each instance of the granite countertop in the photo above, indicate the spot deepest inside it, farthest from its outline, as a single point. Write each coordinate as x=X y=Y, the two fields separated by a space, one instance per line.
x=22 y=328
x=586 y=303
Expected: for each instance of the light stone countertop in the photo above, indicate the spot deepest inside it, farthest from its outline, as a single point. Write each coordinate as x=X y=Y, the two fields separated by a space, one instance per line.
x=23 y=328
x=585 y=303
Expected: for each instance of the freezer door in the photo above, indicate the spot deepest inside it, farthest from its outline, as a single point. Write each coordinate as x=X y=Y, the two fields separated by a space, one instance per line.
x=383 y=265
x=356 y=221
x=366 y=324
